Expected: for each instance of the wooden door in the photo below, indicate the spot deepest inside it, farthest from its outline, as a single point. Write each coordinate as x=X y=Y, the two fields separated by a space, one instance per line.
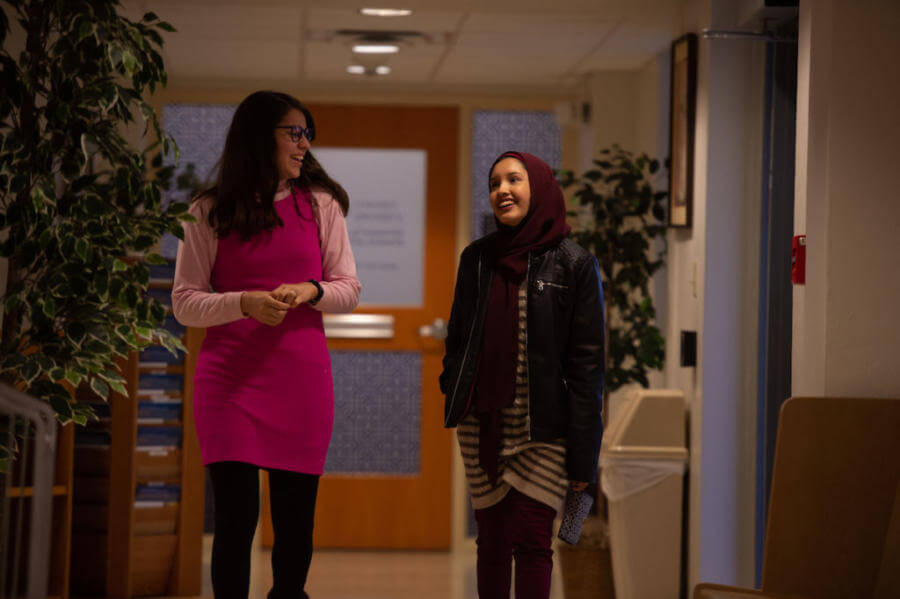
x=409 y=511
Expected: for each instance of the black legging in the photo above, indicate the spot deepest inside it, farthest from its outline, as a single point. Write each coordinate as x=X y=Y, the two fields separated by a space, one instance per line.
x=293 y=501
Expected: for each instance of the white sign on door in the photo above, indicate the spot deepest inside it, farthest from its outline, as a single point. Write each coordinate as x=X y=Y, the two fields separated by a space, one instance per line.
x=386 y=220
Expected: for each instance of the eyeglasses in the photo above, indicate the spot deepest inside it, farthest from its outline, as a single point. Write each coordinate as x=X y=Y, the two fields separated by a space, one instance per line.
x=295 y=132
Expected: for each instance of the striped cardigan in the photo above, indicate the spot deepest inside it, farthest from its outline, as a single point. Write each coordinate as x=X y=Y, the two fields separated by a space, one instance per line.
x=537 y=470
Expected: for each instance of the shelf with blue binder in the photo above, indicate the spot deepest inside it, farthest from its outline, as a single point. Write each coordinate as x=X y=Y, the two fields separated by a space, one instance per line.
x=158 y=449
x=166 y=412
x=160 y=387
x=156 y=507
x=158 y=437
x=160 y=383
x=160 y=360
x=157 y=492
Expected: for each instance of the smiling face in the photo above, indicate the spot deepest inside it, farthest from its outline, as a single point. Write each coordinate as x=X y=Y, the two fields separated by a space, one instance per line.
x=289 y=154
x=510 y=191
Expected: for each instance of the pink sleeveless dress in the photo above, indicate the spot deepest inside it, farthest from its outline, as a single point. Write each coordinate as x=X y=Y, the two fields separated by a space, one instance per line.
x=264 y=395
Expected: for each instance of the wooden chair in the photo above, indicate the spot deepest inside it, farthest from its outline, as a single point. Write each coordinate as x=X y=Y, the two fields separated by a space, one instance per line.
x=834 y=512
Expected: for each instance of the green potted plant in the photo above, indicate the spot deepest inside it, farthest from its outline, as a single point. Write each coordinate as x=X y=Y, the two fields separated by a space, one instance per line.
x=81 y=207
x=621 y=217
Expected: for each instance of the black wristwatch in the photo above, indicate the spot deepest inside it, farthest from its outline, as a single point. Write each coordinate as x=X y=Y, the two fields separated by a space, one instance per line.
x=319 y=295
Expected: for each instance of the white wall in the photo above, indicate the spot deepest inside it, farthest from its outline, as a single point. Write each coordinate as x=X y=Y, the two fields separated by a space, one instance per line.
x=614 y=110
x=712 y=289
x=846 y=328
x=630 y=108
x=685 y=268
x=652 y=137
x=711 y=278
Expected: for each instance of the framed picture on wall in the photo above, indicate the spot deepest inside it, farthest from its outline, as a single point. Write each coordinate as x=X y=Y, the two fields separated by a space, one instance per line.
x=681 y=134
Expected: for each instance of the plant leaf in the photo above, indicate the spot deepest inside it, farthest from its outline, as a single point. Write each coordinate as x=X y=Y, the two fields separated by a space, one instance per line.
x=111 y=376
x=81 y=248
x=63 y=408
x=49 y=307
x=129 y=62
x=100 y=388
x=156 y=259
x=85 y=28
x=74 y=377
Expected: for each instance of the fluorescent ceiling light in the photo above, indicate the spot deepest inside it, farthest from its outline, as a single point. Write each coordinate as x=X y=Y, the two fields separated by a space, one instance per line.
x=383 y=70
x=376 y=49
x=385 y=12
x=356 y=69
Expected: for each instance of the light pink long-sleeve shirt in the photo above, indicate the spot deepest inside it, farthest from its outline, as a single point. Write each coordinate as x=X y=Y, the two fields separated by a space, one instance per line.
x=196 y=305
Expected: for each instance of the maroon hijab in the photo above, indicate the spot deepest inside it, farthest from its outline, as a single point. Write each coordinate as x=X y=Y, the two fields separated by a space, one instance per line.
x=544 y=226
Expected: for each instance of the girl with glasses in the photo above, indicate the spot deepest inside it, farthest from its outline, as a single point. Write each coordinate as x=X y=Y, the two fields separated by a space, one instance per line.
x=268 y=253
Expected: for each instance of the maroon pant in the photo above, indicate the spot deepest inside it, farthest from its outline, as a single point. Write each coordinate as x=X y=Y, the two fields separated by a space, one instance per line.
x=518 y=527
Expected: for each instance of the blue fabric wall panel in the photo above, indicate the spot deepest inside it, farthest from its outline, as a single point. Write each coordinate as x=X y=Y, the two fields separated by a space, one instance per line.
x=377 y=413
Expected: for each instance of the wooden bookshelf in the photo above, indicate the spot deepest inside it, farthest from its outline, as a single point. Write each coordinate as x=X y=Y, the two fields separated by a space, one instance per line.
x=138 y=511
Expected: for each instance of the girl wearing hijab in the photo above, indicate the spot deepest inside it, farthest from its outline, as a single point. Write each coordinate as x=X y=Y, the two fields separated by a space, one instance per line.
x=523 y=374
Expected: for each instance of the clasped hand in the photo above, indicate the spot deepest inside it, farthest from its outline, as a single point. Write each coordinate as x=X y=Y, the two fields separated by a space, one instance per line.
x=270 y=307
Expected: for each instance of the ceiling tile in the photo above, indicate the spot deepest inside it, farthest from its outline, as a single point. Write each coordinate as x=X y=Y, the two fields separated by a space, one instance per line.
x=552 y=24
x=512 y=46
x=630 y=47
x=499 y=69
x=516 y=42
x=232 y=59
x=229 y=21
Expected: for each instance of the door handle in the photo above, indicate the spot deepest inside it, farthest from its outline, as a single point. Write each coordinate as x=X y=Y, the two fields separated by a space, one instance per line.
x=358 y=326
x=436 y=330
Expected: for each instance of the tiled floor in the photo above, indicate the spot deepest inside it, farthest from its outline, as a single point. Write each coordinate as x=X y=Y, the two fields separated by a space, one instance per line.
x=376 y=574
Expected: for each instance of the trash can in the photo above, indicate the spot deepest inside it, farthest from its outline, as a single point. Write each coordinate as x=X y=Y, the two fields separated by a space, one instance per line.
x=643 y=460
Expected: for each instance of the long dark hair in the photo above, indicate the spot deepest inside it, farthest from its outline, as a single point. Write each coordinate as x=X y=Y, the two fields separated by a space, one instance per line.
x=244 y=195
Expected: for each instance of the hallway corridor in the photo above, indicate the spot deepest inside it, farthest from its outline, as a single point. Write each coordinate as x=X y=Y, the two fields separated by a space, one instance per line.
x=376 y=575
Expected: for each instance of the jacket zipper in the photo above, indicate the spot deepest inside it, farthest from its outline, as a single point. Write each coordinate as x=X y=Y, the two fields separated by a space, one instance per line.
x=527 y=354
x=469 y=340
x=540 y=285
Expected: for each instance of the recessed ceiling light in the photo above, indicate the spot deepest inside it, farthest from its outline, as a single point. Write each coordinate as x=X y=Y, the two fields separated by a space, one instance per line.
x=383 y=70
x=376 y=49
x=385 y=12
x=356 y=69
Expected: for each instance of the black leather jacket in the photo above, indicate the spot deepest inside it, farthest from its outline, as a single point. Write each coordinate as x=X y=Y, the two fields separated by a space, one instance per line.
x=564 y=341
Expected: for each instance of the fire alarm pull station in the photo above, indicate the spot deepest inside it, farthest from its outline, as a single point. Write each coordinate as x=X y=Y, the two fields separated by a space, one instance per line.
x=798 y=260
